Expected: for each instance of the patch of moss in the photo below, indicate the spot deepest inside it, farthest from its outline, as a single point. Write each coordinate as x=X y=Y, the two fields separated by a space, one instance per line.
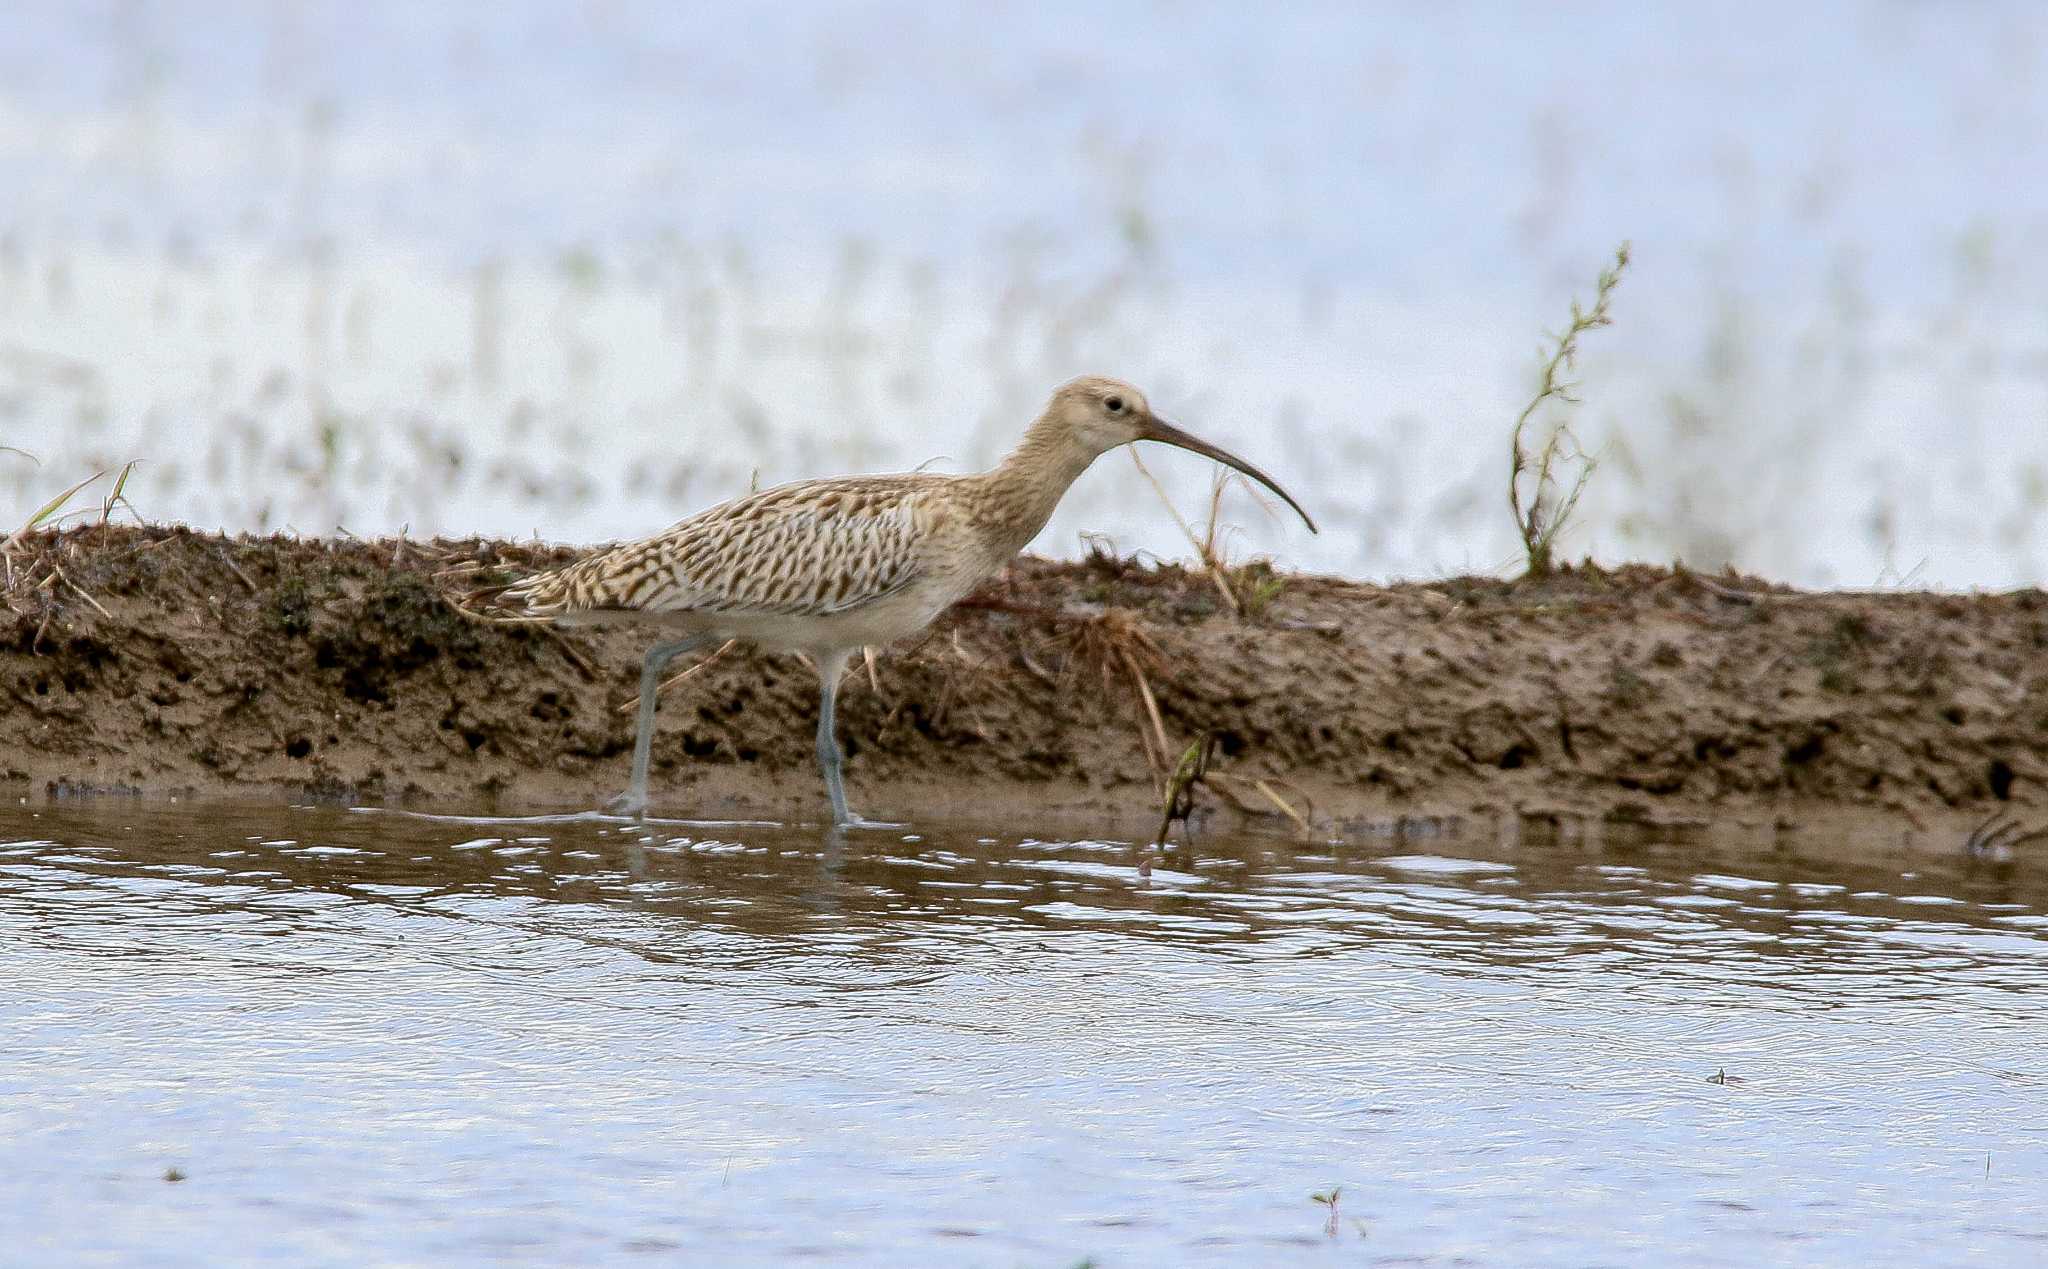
x=413 y=614
x=289 y=608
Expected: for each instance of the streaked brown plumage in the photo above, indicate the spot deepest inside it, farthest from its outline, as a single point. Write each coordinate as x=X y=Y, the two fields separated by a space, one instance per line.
x=829 y=566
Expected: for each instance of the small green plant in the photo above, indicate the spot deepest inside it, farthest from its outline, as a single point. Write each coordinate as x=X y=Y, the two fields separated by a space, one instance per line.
x=1248 y=589
x=1180 y=787
x=1550 y=498
x=119 y=497
x=42 y=516
x=1257 y=586
x=1329 y=1200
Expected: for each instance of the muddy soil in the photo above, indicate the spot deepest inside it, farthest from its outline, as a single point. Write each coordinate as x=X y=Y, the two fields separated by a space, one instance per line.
x=164 y=661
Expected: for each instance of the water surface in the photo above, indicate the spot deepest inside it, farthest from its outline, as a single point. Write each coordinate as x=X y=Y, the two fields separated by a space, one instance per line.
x=371 y=1037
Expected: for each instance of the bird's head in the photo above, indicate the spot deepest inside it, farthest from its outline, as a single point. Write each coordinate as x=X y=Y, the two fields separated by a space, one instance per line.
x=1102 y=413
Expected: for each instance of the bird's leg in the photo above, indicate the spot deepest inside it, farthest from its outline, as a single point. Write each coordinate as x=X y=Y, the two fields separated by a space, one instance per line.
x=830 y=666
x=634 y=800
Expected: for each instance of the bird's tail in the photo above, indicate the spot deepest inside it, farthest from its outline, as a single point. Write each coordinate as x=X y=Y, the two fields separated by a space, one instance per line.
x=538 y=595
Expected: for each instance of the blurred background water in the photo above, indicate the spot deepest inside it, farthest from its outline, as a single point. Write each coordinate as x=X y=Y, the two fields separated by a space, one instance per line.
x=577 y=269
x=313 y=1036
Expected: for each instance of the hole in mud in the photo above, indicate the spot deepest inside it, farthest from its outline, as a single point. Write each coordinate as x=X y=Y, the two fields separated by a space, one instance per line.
x=1517 y=754
x=1230 y=743
x=1805 y=751
x=1955 y=714
x=474 y=739
x=298 y=747
x=2000 y=778
x=548 y=707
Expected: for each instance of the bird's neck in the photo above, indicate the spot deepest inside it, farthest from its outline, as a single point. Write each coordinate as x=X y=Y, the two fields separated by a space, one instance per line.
x=1018 y=494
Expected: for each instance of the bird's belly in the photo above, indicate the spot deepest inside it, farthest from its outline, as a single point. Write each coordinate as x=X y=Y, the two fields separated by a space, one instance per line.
x=877 y=624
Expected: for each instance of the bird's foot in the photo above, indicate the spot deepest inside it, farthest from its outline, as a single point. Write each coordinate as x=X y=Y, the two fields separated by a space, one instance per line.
x=628 y=803
x=853 y=819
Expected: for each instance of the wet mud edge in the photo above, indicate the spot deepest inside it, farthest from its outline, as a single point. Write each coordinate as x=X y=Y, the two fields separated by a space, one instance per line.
x=154 y=661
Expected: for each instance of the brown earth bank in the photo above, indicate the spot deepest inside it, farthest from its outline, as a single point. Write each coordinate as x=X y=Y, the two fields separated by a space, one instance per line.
x=166 y=661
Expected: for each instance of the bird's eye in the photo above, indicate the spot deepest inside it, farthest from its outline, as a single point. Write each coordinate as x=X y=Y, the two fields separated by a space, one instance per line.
x=1115 y=405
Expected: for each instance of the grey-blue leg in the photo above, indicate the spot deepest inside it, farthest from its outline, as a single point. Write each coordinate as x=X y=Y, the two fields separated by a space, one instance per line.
x=634 y=800
x=830 y=667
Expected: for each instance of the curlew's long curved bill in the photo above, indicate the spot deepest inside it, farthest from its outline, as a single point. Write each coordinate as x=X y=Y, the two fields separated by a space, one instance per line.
x=1158 y=429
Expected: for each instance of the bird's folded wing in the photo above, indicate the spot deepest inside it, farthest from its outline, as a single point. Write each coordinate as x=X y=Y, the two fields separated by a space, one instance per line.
x=815 y=548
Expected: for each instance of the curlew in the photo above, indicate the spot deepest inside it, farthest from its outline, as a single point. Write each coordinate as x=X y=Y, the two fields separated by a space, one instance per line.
x=827 y=567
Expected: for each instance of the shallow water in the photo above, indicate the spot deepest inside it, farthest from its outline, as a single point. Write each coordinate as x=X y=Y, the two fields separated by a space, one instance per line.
x=377 y=1037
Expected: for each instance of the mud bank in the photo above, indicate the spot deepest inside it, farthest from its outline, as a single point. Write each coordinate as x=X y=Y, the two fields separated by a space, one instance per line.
x=163 y=661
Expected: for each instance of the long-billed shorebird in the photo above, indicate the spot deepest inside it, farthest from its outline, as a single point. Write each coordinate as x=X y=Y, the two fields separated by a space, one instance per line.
x=827 y=567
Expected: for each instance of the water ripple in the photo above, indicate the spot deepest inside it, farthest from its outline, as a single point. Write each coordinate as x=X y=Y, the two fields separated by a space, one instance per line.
x=578 y=1036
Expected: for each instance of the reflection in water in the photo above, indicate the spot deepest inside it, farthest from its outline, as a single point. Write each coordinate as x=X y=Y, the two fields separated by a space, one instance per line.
x=388 y=1036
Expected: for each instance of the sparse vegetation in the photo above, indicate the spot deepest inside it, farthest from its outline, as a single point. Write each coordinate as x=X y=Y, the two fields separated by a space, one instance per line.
x=1249 y=588
x=43 y=516
x=1046 y=691
x=1115 y=643
x=289 y=606
x=1180 y=787
x=1544 y=485
x=1329 y=1199
x=40 y=573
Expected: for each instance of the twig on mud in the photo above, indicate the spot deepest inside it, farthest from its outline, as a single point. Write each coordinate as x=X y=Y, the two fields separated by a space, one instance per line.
x=674 y=679
x=1151 y=710
x=989 y=603
x=1724 y=592
x=1035 y=670
x=236 y=569
x=467 y=568
x=576 y=658
x=1114 y=641
x=500 y=618
x=1285 y=807
x=1998 y=835
x=57 y=574
x=1221 y=783
x=1266 y=790
x=1327 y=629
